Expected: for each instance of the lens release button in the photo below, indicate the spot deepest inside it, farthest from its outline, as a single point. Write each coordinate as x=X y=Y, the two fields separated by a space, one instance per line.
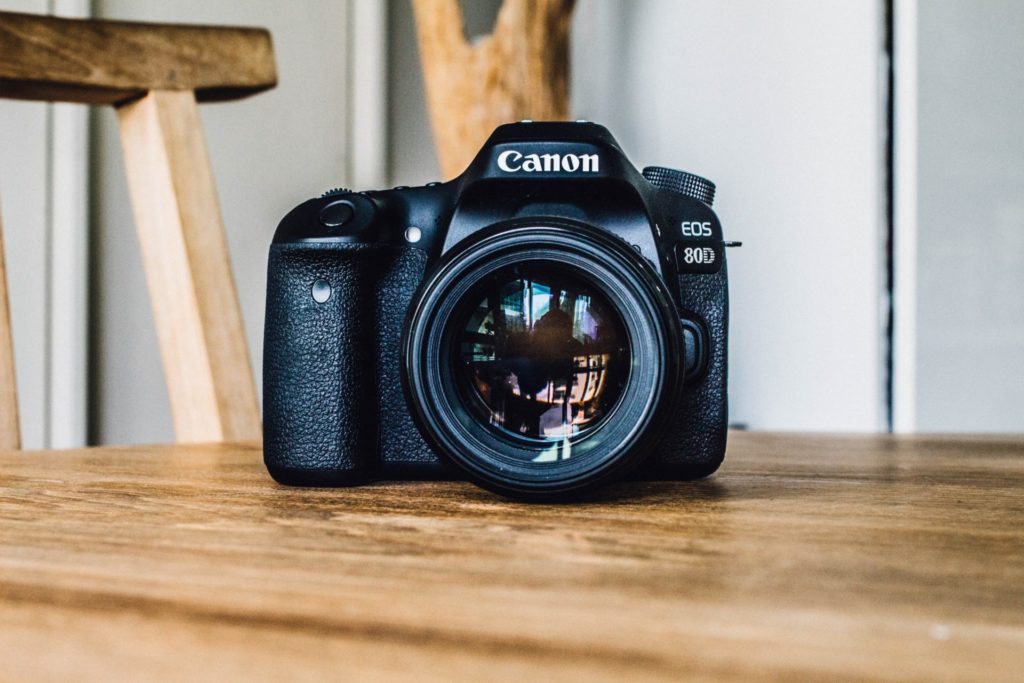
x=694 y=349
x=336 y=214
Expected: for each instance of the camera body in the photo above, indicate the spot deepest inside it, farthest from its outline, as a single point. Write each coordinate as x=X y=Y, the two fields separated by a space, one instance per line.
x=347 y=395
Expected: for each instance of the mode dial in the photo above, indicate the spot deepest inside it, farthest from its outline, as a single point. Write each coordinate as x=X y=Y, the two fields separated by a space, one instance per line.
x=682 y=182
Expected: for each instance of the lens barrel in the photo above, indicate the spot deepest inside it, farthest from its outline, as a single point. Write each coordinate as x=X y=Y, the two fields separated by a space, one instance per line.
x=543 y=358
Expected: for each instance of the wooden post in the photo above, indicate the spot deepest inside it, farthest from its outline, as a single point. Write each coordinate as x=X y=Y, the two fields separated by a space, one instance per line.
x=177 y=217
x=519 y=71
x=10 y=435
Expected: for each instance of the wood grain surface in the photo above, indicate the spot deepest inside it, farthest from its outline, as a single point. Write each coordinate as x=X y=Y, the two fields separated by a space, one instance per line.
x=188 y=269
x=519 y=71
x=804 y=558
x=107 y=62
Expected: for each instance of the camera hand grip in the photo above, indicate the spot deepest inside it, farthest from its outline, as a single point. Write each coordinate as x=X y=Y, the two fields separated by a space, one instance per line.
x=320 y=421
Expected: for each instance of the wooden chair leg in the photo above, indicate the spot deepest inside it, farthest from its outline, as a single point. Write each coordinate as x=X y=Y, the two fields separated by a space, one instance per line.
x=184 y=250
x=10 y=436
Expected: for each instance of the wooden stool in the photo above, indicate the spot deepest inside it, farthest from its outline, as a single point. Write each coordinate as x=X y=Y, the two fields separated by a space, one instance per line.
x=153 y=75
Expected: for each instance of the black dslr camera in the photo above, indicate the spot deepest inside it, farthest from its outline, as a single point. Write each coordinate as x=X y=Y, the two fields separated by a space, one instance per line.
x=546 y=322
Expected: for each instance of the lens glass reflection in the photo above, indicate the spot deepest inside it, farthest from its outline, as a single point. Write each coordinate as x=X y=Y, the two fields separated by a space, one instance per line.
x=542 y=354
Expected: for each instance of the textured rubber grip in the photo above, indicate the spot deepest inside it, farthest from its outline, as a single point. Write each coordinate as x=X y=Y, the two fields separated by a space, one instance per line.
x=694 y=444
x=319 y=406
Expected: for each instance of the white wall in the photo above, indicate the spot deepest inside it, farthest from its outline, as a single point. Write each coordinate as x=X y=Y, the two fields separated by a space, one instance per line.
x=24 y=197
x=42 y=209
x=779 y=103
x=968 y=354
x=268 y=153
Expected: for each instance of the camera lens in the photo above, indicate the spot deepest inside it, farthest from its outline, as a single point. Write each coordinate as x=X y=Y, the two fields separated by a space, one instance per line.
x=542 y=360
x=542 y=354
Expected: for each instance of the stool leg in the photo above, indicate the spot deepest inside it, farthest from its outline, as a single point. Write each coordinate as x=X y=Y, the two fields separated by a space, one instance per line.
x=185 y=254
x=10 y=436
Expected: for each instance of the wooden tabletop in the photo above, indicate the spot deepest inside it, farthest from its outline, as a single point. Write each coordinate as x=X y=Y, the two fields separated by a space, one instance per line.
x=805 y=557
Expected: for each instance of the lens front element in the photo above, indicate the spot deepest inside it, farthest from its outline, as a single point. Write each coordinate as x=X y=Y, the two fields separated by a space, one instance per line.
x=542 y=354
x=542 y=359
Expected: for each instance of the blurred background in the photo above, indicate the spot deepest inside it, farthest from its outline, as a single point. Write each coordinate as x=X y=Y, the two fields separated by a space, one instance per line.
x=869 y=154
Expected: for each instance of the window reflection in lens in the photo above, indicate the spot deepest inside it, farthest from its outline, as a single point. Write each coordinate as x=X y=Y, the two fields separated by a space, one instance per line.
x=543 y=354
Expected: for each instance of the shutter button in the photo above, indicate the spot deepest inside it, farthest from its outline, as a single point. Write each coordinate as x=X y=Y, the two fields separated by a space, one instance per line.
x=336 y=214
